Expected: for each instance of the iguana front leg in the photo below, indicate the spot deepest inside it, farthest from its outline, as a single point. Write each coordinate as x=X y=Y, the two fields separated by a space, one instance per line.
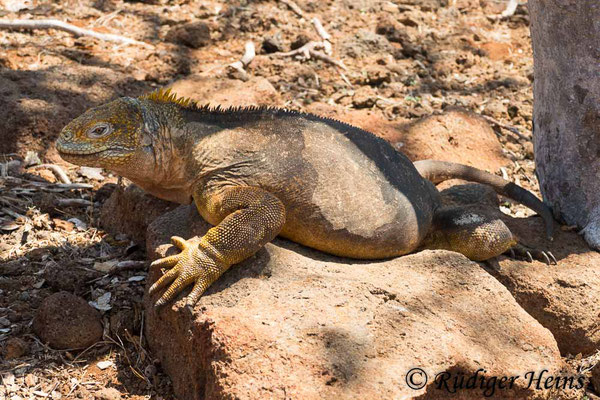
x=246 y=218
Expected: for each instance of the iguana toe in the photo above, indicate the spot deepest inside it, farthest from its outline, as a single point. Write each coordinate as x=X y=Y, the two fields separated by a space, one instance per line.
x=189 y=266
x=521 y=251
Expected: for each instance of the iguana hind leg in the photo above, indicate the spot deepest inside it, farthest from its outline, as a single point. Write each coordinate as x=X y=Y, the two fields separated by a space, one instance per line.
x=469 y=231
x=246 y=218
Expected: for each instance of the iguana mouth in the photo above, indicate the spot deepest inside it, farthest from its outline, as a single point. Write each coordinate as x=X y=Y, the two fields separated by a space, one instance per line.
x=78 y=151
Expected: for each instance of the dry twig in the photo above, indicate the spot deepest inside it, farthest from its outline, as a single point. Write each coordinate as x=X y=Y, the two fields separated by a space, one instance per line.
x=249 y=54
x=324 y=35
x=64 y=26
x=509 y=128
x=509 y=11
x=57 y=170
x=73 y=203
x=294 y=7
x=310 y=49
x=319 y=28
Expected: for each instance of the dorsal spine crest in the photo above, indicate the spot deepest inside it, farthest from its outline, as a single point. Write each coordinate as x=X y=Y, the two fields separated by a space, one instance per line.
x=169 y=97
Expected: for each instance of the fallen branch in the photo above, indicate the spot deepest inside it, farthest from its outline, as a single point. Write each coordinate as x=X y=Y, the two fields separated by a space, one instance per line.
x=504 y=126
x=294 y=7
x=345 y=79
x=57 y=170
x=319 y=28
x=246 y=59
x=11 y=213
x=127 y=265
x=324 y=35
x=74 y=186
x=73 y=203
x=325 y=57
x=64 y=26
x=310 y=50
x=511 y=7
x=509 y=11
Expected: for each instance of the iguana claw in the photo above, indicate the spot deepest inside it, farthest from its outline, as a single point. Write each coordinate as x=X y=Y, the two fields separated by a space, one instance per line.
x=520 y=251
x=189 y=266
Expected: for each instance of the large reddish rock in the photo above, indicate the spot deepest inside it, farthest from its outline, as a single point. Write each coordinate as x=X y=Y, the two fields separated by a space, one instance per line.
x=291 y=322
x=565 y=298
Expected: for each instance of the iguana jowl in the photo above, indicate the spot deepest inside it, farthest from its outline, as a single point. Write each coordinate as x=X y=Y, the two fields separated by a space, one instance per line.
x=255 y=173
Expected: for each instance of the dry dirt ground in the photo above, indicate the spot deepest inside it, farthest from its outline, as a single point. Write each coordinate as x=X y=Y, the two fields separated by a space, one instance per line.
x=403 y=59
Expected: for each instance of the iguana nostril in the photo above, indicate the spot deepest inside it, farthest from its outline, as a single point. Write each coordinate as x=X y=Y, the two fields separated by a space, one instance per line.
x=67 y=135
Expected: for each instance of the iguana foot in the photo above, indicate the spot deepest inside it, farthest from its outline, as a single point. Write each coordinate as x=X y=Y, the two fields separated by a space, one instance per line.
x=193 y=264
x=475 y=233
x=520 y=251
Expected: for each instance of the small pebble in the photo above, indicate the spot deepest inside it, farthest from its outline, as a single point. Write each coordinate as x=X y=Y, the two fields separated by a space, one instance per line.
x=107 y=394
x=30 y=380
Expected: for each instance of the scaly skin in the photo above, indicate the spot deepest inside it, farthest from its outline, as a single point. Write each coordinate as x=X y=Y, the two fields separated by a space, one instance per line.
x=255 y=173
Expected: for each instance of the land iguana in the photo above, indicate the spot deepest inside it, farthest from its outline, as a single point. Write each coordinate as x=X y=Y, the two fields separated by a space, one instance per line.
x=258 y=172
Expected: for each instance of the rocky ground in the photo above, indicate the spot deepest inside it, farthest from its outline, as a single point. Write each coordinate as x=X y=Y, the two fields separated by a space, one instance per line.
x=439 y=79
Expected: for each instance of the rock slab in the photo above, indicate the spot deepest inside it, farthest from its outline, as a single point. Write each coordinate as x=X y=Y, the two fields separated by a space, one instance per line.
x=564 y=297
x=291 y=322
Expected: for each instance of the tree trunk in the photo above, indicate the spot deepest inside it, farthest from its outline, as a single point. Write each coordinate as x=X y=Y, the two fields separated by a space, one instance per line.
x=566 y=115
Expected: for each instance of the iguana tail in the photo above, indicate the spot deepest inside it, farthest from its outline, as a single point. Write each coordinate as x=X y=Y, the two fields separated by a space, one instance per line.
x=439 y=171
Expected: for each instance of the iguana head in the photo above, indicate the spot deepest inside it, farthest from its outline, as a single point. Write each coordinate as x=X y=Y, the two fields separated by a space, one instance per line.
x=123 y=135
x=107 y=136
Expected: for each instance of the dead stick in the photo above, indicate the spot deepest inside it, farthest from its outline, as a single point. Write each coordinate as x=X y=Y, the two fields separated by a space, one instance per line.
x=249 y=54
x=325 y=57
x=324 y=35
x=74 y=186
x=504 y=126
x=64 y=26
x=127 y=265
x=319 y=28
x=57 y=170
x=10 y=212
x=510 y=9
x=294 y=7
x=304 y=50
x=73 y=203
x=308 y=50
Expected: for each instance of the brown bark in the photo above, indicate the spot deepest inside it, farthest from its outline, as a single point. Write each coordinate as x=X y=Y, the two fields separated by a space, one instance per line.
x=566 y=91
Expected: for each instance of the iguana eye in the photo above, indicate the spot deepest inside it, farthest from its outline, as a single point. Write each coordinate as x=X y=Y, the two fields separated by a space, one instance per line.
x=99 y=130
